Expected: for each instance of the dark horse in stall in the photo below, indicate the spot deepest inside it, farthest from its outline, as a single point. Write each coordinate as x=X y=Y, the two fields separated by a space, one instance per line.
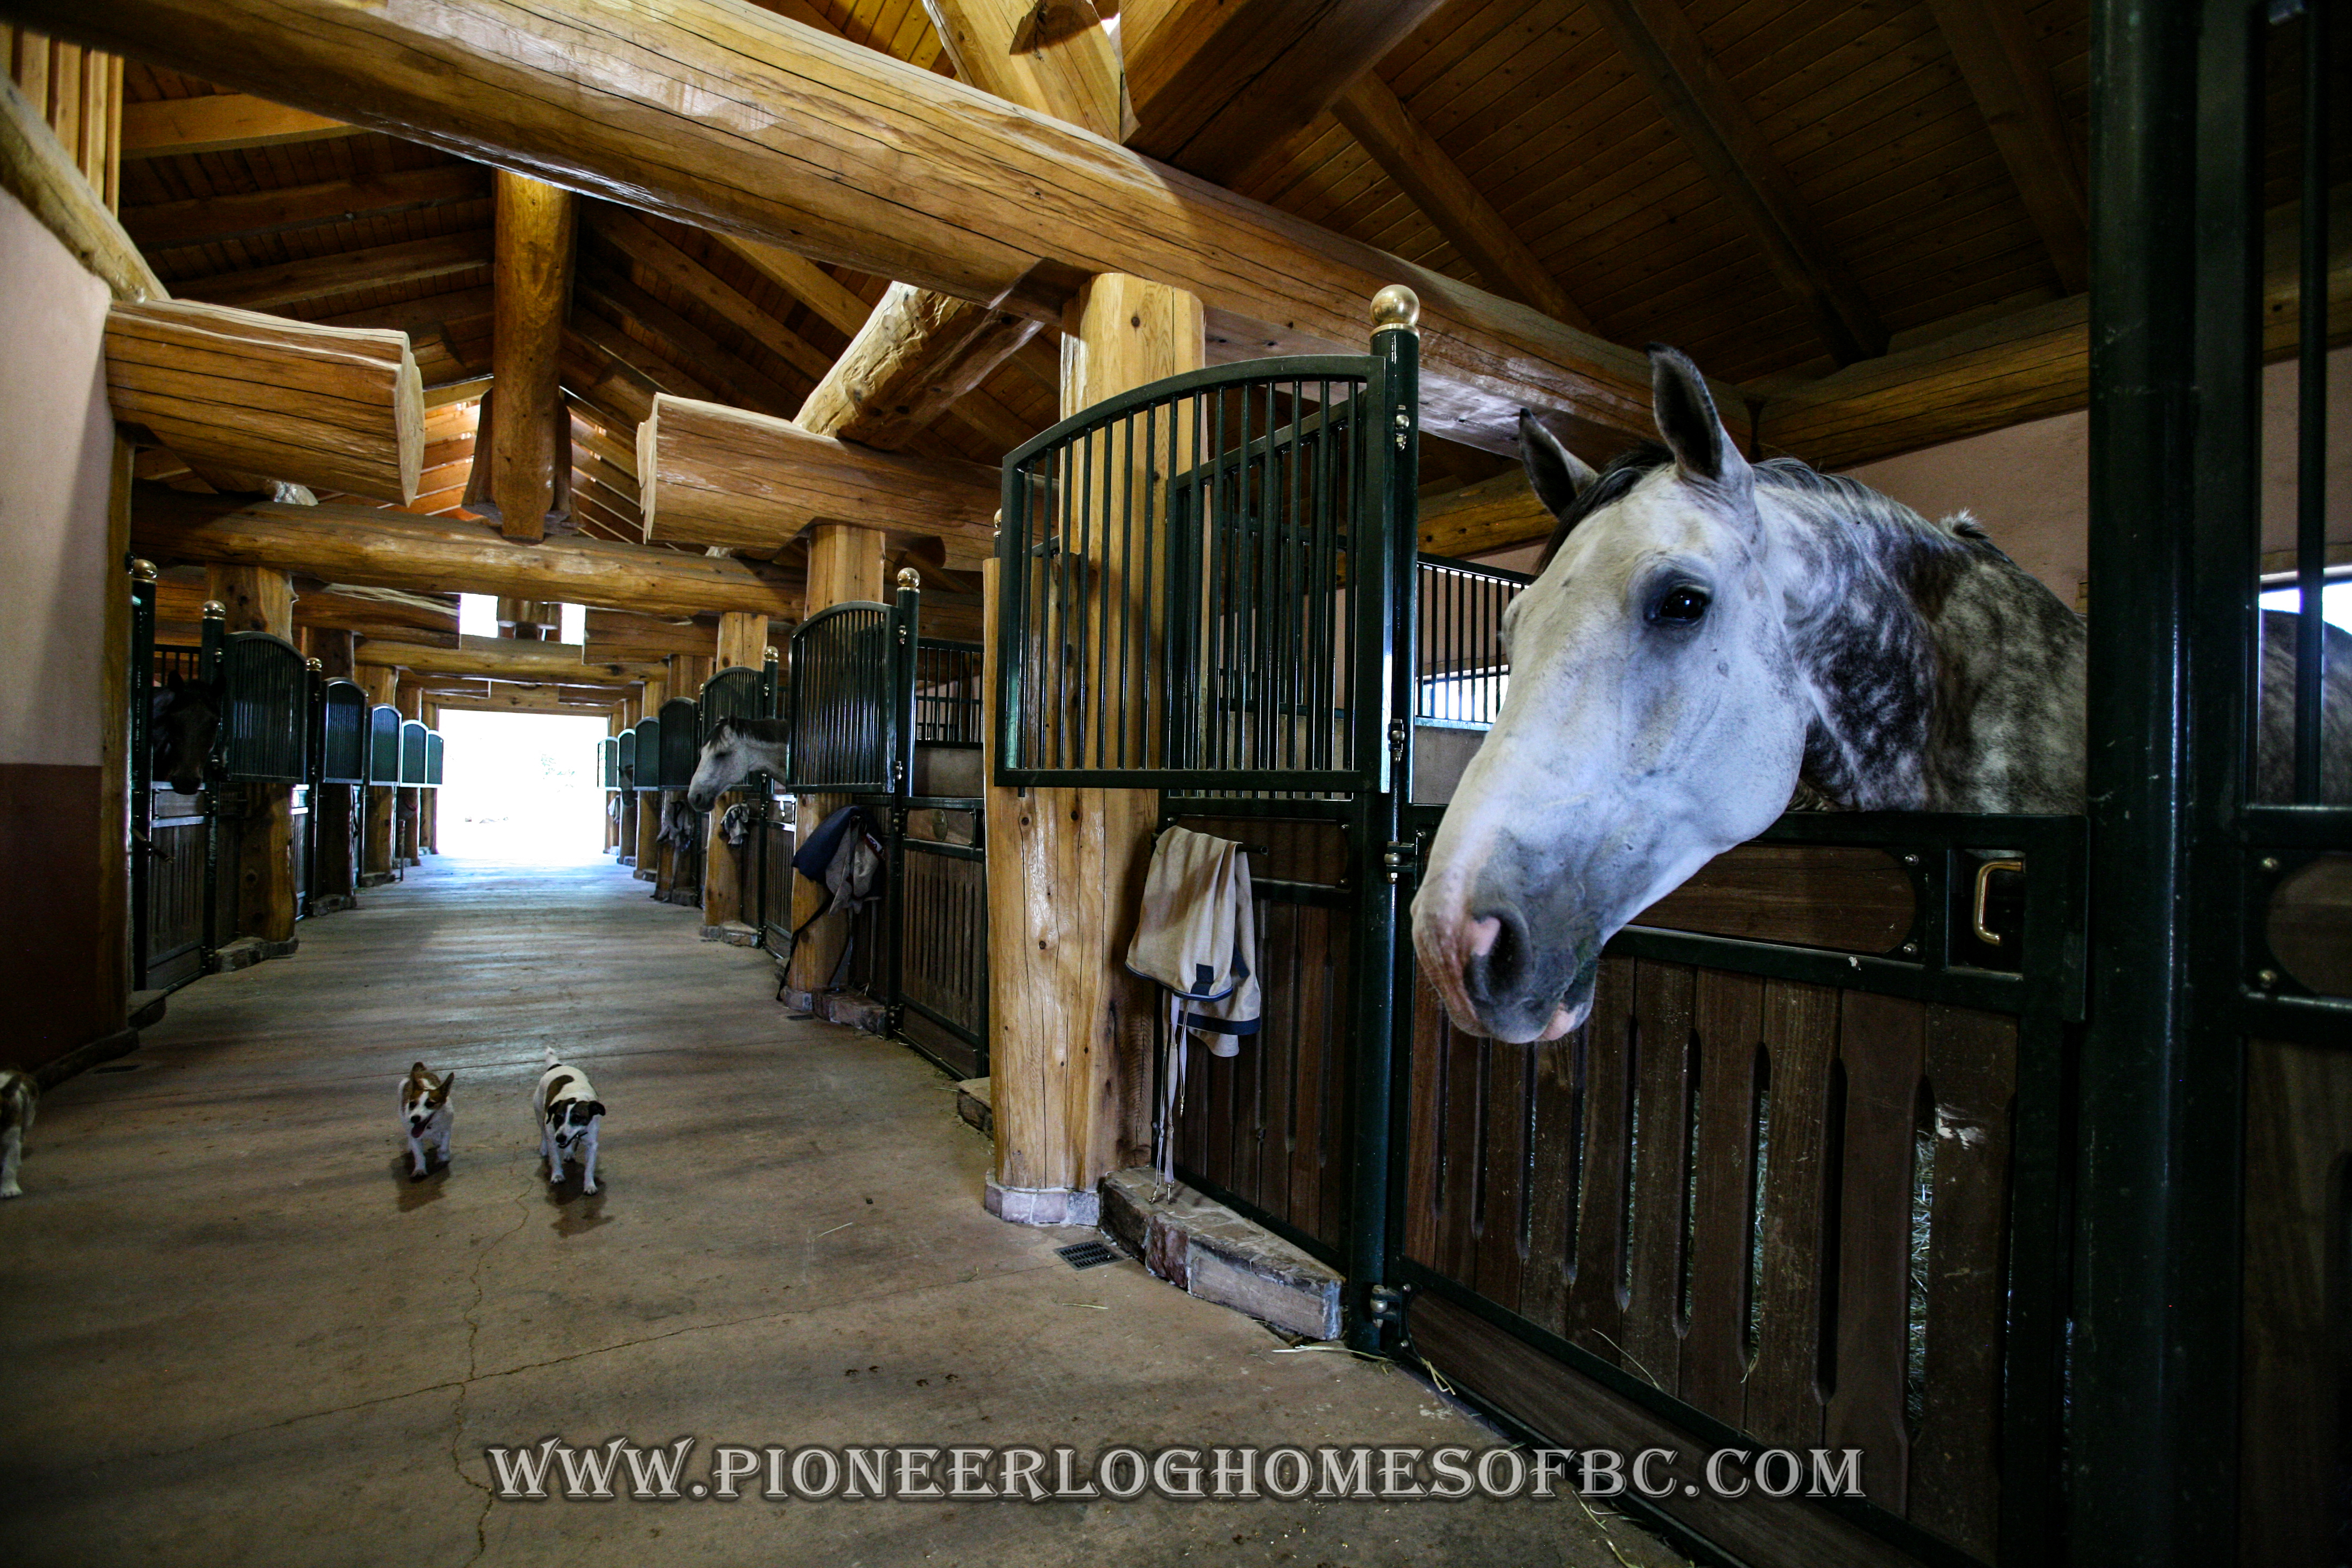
x=183 y=720
x=1707 y=635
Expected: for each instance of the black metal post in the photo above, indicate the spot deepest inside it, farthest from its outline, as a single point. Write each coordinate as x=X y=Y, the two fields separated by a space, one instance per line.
x=1385 y=537
x=898 y=733
x=216 y=629
x=142 y=764
x=2152 y=1434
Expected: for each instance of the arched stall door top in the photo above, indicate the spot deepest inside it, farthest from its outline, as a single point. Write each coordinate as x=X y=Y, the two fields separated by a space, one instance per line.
x=624 y=759
x=738 y=692
x=608 y=762
x=649 y=755
x=680 y=741
x=383 y=744
x=344 y=726
x=432 y=758
x=413 y=749
x=265 y=685
x=851 y=695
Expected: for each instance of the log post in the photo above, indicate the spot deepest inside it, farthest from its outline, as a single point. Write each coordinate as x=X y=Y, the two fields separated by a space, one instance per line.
x=647 y=802
x=334 y=805
x=532 y=276
x=845 y=565
x=742 y=644
x=1070 y=1030
x=261 y=599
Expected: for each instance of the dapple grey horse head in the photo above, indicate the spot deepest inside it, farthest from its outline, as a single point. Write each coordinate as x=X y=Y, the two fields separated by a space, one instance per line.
x=737 y=749
x=1651 y=721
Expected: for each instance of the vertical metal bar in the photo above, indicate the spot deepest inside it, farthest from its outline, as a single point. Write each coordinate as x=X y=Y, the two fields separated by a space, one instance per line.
x=2153 y=1460
x=1125 y=584
x=1387 y=430
x=142 y=767
x=2311 y=414
x=209 y=661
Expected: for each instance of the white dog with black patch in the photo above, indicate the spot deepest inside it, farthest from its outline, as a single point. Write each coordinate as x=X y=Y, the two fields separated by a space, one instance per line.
x=426 y=1116
x=568 y=1113
x=20 y=1097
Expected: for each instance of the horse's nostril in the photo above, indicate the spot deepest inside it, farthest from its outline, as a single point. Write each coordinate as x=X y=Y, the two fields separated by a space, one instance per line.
x=1494 y=974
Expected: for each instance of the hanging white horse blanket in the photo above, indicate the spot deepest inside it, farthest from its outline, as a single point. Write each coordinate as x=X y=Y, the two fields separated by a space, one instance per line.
x=1197 y=938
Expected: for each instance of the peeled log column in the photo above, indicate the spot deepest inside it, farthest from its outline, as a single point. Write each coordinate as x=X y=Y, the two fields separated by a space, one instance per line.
x=333 y=408
x=532 y=275
x=447 y=555
x=713 y=475
x=742 y=644
x=1070 y=1046
x=916 y=354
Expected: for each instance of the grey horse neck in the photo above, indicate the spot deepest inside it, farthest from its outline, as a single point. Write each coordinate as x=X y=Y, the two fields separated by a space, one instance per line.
x=1945 y=676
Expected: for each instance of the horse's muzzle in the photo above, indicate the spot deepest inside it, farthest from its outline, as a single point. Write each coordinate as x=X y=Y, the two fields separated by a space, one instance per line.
x=1521 y=991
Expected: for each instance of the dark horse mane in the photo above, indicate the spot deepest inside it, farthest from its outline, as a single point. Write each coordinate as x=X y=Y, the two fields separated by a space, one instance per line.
x=769 y=731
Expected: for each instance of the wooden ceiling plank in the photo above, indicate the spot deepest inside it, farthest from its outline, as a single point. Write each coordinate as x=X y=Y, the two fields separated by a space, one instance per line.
x=635 y=238
x=641 y=364
x=213 y=220
x=1658 y=40
x=1994 y=46
x=1374 y=116
x=344 y=272
x=220 y=122
x=1215 y=84
x=686 y=342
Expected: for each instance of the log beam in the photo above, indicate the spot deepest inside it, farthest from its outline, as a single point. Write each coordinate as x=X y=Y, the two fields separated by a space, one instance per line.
x=331 y=408
x=713 y=475
x=1475 y=520
x=1384 y=128
x=853 y=158
x=916 y=356
x=219 y=122
x=1058 y=60
x=1660 y=42
x=1217 y=83
x=1994 y=46
x=507 y=658
x=450 y=555
x=532 y=276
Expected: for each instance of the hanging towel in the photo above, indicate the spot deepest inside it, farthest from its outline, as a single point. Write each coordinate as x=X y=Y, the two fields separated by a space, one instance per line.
x=1195 y=938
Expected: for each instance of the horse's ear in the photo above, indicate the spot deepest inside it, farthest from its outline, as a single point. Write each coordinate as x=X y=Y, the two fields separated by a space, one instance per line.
x=1687 y=422
x=1559 y=475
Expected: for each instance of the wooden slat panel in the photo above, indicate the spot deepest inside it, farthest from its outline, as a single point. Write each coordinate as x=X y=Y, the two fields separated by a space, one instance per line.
x=1424 y=1117
x=1814 y=895
x=1457 y=1170
x=1728 y=1010
x=1569 y=1409
x=1552 y=1169
x=1652 y=1336
x=1955 y=1459
x=1595 y=1304
x=1784 y=1402
x=1503 y=1168
x=2298 y=1109
x=1881 y=1045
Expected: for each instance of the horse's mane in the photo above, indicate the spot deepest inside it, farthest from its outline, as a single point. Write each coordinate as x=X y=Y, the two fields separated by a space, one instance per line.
x=1819 y=497
x=769 y=731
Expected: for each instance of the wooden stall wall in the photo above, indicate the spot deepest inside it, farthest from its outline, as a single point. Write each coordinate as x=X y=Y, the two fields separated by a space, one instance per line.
x=65 y=599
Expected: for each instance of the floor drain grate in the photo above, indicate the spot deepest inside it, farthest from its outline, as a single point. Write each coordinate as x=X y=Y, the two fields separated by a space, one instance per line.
x=1085 y=1254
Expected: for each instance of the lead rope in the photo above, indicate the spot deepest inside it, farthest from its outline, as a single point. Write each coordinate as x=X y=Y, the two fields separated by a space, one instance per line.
x=1171 y=1086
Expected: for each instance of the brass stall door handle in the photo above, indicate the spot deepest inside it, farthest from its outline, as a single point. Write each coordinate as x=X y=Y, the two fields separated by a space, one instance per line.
x=1976 y=905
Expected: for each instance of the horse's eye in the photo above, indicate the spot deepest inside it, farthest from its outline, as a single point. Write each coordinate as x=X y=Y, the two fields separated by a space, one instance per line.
x=1682 y=606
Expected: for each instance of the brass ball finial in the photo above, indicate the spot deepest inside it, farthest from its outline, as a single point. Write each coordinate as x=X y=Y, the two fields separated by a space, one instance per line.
x=910 y=578
x=1395 y=306
x=314 y=666
x=143 y=569
x=214 y=610
x=772 y=656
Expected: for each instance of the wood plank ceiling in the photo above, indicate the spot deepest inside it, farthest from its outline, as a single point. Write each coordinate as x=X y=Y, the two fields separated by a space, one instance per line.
x=1783 y=188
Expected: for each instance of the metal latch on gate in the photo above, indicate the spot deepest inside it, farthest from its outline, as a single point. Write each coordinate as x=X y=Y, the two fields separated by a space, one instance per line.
x=1398 y=731
x=1399 y=856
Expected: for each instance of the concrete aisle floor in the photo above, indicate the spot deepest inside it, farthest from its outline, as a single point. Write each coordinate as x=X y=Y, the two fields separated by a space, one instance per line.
x=236 y=1332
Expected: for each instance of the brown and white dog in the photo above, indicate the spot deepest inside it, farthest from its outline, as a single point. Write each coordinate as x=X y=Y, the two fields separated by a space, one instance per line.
x=568 y=1113
x=426 y=1116
x=20 y=1097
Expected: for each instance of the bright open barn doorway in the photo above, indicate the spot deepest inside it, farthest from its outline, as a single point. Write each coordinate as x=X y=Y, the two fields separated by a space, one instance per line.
x=521 y=787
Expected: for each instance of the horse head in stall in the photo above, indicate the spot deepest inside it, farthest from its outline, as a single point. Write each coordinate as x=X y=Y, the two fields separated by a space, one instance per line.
x=737 y=749
x=183 y=718
x=1704 y=635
